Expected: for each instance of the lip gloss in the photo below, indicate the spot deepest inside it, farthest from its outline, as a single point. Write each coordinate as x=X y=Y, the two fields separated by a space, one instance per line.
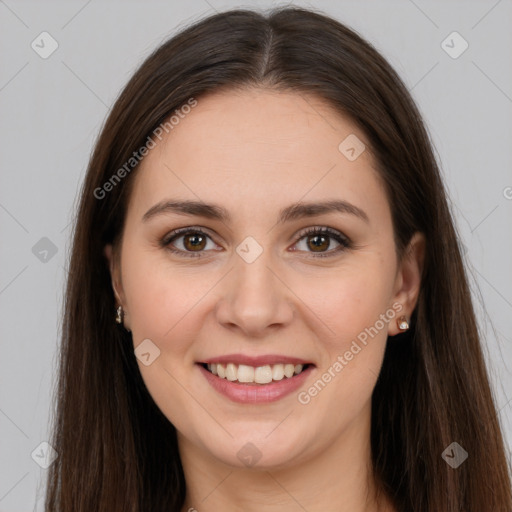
x=255 y=393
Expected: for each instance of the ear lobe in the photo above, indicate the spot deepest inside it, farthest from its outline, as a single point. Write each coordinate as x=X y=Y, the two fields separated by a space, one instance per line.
x=408 y=279
x=114 y=273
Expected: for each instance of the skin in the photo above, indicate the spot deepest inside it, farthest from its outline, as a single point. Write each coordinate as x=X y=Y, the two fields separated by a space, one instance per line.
x=254 y=152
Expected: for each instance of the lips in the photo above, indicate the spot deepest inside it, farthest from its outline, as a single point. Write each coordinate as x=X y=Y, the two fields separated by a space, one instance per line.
x=254 y=393
x=255 y=379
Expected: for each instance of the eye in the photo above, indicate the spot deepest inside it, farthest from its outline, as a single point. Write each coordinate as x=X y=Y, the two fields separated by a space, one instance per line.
x=319 y=238
x=194 y=241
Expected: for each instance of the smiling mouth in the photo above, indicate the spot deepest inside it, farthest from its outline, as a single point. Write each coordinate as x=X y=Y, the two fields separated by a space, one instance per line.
x=256 y=375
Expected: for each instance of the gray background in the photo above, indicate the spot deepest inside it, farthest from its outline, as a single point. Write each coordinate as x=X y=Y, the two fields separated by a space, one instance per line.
x=52 y=110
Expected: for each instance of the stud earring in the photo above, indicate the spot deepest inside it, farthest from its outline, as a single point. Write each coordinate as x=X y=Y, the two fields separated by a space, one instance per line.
x=119 y=315
x=402 y=323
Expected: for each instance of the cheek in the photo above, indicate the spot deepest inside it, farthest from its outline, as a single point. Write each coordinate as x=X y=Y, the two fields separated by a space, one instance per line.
x=163 y=305
x=164 y=300
x=353 y=353
x=349 y=301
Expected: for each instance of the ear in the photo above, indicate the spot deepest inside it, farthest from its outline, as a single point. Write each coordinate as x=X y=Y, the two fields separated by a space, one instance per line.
x=408 y=280
x=117 y=285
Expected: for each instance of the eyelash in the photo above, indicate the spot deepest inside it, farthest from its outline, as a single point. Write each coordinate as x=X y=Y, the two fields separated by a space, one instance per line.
x=344 y=242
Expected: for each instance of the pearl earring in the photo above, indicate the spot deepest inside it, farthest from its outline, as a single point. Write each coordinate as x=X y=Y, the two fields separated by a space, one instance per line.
x=402 y=323
x=119 y=315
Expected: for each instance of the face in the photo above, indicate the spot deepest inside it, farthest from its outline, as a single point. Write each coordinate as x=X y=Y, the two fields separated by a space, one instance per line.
x=265 y=288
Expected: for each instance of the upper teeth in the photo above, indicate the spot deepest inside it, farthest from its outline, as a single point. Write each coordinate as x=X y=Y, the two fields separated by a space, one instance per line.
x=260 y=374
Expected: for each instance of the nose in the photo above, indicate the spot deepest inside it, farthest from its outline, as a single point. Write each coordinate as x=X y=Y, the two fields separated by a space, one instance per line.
x=255 y=299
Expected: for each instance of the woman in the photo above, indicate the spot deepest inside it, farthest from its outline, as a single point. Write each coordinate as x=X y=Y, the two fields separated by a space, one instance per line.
x=267 y=307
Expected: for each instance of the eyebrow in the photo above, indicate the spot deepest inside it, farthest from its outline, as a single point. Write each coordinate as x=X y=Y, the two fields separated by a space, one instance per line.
x=217 y=212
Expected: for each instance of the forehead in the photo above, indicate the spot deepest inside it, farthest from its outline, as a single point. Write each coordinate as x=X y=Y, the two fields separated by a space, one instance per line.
x=254 y=146
x=279 y=127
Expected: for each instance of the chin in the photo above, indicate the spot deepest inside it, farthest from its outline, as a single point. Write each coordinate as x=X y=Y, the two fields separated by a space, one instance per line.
x=258 y=453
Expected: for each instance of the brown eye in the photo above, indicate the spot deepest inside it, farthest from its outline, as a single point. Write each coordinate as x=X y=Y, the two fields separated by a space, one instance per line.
x=319 y=240
x=195 y=241
x=187 y=242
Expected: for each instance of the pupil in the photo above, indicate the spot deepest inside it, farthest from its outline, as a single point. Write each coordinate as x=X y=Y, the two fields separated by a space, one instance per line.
x=196 y=240
x=316 y=238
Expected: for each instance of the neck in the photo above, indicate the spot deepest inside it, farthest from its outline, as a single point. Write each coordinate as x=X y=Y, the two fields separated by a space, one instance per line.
x=336 y=477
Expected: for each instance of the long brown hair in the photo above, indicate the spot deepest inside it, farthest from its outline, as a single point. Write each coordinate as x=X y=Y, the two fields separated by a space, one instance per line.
x=116 y=450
